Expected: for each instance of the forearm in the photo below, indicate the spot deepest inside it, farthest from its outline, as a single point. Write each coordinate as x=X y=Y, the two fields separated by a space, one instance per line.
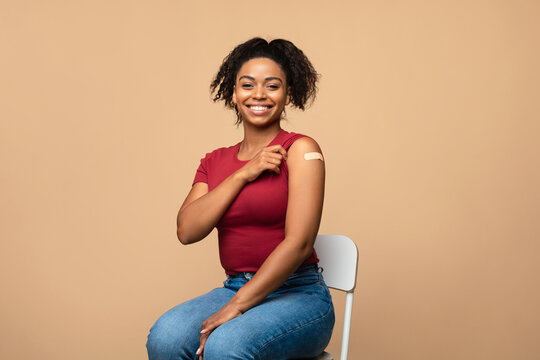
x=277 y=268
x=198 y=218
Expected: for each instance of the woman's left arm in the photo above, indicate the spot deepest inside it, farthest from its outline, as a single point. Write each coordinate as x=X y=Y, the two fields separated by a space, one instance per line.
x=304 y=209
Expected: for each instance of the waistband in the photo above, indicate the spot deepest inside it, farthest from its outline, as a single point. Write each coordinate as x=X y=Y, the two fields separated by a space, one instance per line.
x=302 y=269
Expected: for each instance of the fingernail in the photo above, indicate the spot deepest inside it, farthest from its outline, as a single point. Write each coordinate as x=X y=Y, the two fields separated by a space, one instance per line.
x=203 y=331
x=198 y=352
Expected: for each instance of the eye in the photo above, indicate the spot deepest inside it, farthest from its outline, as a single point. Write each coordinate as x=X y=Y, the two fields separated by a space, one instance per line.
x=273 y=86
x=246 y=86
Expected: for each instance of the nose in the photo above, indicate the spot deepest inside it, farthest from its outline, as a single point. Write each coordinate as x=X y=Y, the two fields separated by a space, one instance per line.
x=259 y=92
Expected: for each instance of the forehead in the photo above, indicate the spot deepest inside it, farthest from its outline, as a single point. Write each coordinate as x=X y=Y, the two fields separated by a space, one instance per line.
x=261 y=68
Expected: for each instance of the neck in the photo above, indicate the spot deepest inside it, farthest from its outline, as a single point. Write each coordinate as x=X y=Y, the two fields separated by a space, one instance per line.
x=257 y=138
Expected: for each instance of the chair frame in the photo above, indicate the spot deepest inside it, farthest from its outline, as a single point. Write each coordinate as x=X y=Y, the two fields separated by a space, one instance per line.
x=338 y=257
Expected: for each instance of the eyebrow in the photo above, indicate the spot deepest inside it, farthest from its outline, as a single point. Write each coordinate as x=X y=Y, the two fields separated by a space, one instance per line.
x=266 y=79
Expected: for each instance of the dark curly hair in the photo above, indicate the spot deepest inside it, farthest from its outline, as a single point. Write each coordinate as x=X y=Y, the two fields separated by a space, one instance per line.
x=301 y=77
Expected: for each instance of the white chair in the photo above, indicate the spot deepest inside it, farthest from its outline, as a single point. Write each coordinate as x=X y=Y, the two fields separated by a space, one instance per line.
x=338 y=257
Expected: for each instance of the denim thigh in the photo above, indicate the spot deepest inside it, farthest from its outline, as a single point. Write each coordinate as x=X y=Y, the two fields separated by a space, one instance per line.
x=176 y=334
x=295 y=321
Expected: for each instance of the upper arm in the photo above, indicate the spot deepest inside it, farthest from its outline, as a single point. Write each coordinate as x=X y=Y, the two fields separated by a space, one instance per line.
x=197 y=190
x=306 y=192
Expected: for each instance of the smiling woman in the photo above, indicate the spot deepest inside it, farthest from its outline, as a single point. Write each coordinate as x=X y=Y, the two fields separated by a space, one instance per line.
x=299 y=73
x=260 y=94
x=265 y=199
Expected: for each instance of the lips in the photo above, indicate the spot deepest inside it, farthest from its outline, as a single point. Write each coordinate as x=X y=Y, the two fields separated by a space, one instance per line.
x=259 y=109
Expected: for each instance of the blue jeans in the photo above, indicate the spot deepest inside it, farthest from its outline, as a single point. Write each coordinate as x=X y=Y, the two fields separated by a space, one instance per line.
x=295 y=321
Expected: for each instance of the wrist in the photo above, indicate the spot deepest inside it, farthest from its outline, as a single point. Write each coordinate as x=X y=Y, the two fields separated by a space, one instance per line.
x=239 y=177
x=238 y=303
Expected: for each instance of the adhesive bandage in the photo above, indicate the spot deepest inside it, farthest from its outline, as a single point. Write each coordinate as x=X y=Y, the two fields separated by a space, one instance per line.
x=313 y=156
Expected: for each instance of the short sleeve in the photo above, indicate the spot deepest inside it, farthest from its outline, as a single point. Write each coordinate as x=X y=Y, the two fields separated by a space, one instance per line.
x=202 y=172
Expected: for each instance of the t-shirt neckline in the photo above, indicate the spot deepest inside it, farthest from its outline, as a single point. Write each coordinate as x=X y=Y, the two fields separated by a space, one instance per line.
x=237 y=147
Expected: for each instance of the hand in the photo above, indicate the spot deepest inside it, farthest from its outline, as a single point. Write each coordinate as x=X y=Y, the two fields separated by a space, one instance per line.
x=269 y=158
x=226 y=313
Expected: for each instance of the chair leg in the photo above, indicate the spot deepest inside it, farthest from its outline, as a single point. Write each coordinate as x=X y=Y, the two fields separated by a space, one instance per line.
x=346 y=326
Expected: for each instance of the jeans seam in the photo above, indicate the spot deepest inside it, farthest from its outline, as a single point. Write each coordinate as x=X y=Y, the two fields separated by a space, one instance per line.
x=330 y=307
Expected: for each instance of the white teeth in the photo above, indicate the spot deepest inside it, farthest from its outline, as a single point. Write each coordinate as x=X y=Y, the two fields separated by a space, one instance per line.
x=259 y=107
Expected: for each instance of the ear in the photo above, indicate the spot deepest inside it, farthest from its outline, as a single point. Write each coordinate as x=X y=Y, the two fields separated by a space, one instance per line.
x=288 y=98
x=234 y=95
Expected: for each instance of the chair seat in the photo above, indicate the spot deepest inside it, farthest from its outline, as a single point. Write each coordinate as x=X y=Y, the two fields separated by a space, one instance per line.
x=324 y=356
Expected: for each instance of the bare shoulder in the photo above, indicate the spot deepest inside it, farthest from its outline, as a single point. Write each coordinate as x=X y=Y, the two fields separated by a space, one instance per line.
x=304 y=149
x=304 y=145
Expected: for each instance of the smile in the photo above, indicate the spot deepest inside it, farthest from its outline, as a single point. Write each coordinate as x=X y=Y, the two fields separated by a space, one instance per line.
x=259 y=108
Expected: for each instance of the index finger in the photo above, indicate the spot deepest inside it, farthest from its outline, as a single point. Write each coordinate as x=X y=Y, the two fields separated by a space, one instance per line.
x=202 y=342
x=278 y=148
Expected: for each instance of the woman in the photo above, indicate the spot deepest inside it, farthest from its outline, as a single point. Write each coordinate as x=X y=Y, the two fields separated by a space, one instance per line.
x=265 y=196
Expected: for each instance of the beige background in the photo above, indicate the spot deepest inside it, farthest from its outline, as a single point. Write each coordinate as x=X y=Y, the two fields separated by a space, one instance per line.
x=427 y=114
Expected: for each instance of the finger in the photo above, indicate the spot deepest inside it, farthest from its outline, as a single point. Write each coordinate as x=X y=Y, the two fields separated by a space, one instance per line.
x=274 y=155
x=202 y=342
x=271 y=156
x=279 y=149
x=204 y=335
x=270 y=164
x=274 y=161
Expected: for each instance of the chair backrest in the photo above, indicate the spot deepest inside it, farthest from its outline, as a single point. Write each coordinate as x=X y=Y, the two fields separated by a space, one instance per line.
x=338 y=257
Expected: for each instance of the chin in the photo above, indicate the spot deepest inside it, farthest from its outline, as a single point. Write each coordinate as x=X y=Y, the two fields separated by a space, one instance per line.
x=262 y=123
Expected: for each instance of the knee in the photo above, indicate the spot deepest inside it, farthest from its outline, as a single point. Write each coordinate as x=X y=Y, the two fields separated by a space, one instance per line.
x=223 y=345
x=165 y=342
x=160 y=344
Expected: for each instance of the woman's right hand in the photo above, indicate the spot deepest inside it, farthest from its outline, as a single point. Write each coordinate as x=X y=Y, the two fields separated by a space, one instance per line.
x=203 y=209
x=269 y=158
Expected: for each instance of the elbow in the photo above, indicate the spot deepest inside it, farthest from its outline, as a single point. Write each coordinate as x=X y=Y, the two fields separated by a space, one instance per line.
x=182 y=236
x=306 y=252
x=182 y=232
x=303 y=249
x=189 y=234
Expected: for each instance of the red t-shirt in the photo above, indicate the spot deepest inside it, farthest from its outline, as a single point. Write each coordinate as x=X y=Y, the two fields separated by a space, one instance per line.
x=254 y=224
